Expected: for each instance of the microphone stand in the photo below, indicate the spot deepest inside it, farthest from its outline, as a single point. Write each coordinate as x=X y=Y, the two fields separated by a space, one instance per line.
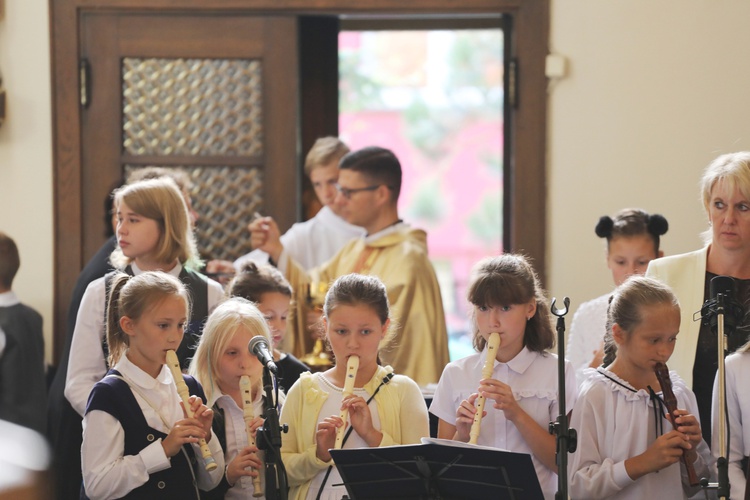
x=277 y=486
x=722 y=463
x=567 y=438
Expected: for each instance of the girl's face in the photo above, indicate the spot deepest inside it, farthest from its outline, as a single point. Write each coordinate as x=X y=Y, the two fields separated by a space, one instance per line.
x=275 y=308
x=355 y=330
x=509 y=321
x=729 y=213
x=652 y=341
x=158 y=330
x=138 y=236
x=629 y=255
x=236 y=360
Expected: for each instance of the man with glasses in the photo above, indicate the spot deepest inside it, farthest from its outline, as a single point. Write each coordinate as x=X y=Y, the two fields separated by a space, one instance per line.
x=314 y=241
x=368 y=189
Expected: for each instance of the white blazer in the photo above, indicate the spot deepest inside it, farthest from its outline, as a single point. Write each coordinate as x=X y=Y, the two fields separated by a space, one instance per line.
x=686 y=275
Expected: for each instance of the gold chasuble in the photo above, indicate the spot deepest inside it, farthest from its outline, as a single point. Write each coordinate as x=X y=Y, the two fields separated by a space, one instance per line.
x=398 y=256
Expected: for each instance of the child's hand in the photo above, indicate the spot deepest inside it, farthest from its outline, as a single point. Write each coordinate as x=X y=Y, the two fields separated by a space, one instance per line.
x=465 y=418
x=665 y=451
x=691 y=428
x=203 y=414
x=502 y=394
x=246 y=463
x=255 y=424
x=187 y=430
x=325 y=436
x=361 y=419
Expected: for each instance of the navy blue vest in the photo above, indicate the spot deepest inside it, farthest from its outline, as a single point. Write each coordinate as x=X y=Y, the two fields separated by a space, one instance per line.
x=113 y=395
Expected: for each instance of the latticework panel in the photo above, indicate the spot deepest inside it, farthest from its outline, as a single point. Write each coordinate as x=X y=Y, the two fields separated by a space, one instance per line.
x=192 y=107
x=225 y=199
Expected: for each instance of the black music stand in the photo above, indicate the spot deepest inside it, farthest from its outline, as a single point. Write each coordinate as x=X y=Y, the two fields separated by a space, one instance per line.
x=437 y=471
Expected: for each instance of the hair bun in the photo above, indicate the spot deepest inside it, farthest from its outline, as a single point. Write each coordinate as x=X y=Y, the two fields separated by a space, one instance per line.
x=657 y=224
x=604 y=226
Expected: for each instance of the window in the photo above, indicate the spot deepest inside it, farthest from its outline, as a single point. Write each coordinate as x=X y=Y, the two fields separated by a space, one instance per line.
x=435 y=97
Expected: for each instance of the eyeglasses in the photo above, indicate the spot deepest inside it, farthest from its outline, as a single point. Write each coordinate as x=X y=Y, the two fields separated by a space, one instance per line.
x=347 y=193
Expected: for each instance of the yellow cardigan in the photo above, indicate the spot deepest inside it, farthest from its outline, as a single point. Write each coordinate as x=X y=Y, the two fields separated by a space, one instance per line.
x=400 y=404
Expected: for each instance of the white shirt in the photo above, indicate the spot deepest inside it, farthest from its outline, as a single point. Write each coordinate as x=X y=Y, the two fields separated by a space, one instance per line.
x=7 y=299
x=533 y=378
x=738 y=410
x=237 y=440
x=86 y=365
x=311 y=243
x=615 y=423
x=586 y=334
x=368 y=238
x=107 y=472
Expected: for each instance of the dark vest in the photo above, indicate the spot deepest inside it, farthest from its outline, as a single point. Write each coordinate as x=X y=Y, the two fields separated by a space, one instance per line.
x=114 y=396
x=197 y=287
x=23 y=388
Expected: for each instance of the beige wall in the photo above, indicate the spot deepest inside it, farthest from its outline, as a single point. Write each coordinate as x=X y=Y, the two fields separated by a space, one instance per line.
x=26 y=150
x=654 y=91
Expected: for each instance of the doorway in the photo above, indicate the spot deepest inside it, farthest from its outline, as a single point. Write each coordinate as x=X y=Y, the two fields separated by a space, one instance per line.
x=82 y=177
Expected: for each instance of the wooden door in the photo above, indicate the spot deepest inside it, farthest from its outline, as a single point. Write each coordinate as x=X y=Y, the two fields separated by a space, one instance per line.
x=206 y=94
x=213 y=95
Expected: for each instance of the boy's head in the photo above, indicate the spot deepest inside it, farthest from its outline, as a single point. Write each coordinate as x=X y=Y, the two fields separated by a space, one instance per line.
x=322 y=167
x=9 y=261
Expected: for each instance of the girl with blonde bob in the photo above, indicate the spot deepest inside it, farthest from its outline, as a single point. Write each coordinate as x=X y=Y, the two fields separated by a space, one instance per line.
x=154 y=233
x=221 y=359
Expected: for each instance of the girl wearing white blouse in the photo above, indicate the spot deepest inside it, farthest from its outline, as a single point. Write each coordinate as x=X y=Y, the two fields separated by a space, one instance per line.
x=633 y=239
x=135 y=429
x=507 y=299
x=624 y=432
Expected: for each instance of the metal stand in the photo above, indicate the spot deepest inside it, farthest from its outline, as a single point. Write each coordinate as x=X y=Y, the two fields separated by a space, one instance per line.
x=269 y=440
x=567 y=438
x=718 y=310
x=722 y=464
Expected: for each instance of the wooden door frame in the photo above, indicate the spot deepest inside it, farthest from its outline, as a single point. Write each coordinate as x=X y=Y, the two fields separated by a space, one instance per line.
x=527 y=203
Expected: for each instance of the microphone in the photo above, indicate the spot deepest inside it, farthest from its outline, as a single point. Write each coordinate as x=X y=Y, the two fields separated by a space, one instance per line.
x=722 y=290
x=258 y=346
x=722 y=284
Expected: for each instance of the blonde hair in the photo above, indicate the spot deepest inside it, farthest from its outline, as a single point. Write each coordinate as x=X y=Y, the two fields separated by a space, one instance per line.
x=731 y=168
x=324 y=151
x=626 y=308
x=220 y=327
x=133 y=296
x=161 y=200
x=180 y=177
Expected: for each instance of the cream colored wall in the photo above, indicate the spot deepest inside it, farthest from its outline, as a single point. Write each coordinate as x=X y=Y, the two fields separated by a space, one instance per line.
x=655 y=91
x=26 y=150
